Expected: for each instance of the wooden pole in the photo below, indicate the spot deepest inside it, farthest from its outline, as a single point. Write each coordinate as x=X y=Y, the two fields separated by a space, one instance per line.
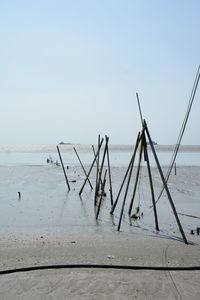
x=63 y=168
x=127 y=172
x=81 y=190
x=96 y=160
x=140 y=111
x=109 y=176
x=164 y=183
x=100 y=171
x=102 y=194
x=97 y=173
x=137 y=174
x=151 y=183
x=82 y=167
x=125 y=195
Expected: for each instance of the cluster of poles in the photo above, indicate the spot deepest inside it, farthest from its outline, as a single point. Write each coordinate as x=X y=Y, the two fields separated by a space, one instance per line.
x=100 y=158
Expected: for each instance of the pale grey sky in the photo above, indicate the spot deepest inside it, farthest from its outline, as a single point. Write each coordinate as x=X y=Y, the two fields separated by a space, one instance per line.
x=70 y=70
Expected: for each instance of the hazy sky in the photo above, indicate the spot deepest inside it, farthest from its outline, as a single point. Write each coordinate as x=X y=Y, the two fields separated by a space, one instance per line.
x=69 y=70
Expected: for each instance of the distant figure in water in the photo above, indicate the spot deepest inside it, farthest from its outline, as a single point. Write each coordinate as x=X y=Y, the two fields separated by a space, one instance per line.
x=57 y=163
x=19 y=195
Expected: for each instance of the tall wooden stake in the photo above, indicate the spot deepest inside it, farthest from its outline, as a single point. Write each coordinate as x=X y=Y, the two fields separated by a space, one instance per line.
x=101 y=170
x=96 y=164
x=81 y=190
x=125 y=195
x=102 y=194
x=164 y=183
x=151 y=183
x=109 y=176
x=63 y=168
x=82 y=167
x=127 y=172
x=137 y=174
x=97 y=173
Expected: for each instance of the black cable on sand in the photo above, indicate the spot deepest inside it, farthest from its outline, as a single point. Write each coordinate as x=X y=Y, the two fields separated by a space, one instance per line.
x=96 y=266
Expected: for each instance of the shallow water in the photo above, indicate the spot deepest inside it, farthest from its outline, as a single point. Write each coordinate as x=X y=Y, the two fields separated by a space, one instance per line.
x=119 y=156
x=46 y=206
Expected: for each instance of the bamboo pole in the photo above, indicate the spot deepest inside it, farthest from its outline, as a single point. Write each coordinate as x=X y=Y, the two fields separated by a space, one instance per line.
x=96 y=159
x=137 y=174
x=140 y=111
x=109 y=176
x=97 y=173
x=82 y=167
x=151 y=183
x=125 y=195
x=81 y=190
x=127 y=172
x=164 y=183
x=100 y=171
x=63 y=168
x=102 y=194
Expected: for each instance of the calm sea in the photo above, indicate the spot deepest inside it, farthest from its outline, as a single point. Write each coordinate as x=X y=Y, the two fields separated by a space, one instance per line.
x=120 y=155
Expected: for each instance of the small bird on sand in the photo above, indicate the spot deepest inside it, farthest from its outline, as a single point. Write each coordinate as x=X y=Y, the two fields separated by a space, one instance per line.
x=19 y=194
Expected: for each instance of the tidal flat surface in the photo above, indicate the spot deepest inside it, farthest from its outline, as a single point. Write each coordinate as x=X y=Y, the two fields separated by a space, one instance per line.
x=46 y=205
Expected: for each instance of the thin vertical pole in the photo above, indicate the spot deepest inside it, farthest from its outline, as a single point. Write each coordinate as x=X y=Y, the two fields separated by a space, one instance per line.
x=125 y=195
x=101 y=170
x=140 y=111
x=109 y=176
x=91 y=167
x=151 y=183
x=96 y=159
x=165 y=184
x=63 y=168
x=97 y=173
x=127 y=172
x=82 y=167
x=137 y=174
x=102 y=194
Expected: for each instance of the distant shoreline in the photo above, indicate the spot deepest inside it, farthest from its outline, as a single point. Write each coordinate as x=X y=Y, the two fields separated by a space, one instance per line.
x=113 y=147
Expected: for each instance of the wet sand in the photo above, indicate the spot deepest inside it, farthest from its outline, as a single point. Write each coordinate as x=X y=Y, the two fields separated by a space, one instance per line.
x=49 y=225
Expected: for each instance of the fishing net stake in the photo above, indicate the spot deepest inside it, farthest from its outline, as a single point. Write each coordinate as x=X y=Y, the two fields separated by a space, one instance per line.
x=83 y=167
x=127 y=172
x=127 y=187
x=137 y=174
x=164 y=182
x=146 y=157
x=81 y=190
x=67 y=182
x=109 y=176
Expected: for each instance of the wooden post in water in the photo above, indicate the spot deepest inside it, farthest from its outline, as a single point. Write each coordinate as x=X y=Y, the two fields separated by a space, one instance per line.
x=126 y=191
x=151 y=183
x=97 y=173
x=82 y=167
x=102 y=195
x=81 y=190
x=164 y=183
x=63 y=168
x=127 y=172
x=109 y=176
x=137 y=174
x=96 y=162
x=100 y=171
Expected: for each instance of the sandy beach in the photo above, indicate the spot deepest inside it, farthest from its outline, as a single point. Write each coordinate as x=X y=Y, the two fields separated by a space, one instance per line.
x=113 y=249
x=49 y=225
